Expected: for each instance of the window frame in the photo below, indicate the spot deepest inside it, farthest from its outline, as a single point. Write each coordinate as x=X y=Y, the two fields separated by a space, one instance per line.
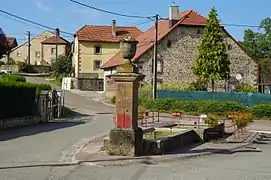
x=37 y=53
x=161 y=66
x=19 y=53
x=53 y=52
x=97 y=46
x=94 y=65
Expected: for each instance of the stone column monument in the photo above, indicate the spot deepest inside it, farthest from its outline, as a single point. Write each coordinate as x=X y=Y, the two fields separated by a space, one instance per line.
x=127 y=137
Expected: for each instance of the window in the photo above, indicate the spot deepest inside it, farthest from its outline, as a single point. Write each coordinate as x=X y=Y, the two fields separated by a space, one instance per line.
x=229 y=47
x=169 y=43
x=37 y=54
x=53 y=50
x=159 y=66
x=19 y=54
x=97 y=65
x=97 y=49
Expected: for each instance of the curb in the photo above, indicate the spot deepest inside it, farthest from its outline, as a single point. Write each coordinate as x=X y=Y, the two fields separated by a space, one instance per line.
x=157 y=159
x=134 y=160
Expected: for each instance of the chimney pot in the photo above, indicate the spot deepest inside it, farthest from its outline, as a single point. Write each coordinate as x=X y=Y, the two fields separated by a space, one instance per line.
x=57 y=32
x=174 y=15
x=114 y=28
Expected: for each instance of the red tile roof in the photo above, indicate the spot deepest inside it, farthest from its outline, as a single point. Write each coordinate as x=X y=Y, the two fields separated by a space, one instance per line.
x=104 y=33
x=189 y=17
x=11 y=42
x=54 y=40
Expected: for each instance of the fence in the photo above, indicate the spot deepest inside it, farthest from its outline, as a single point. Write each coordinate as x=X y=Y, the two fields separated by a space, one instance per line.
x=247 y=99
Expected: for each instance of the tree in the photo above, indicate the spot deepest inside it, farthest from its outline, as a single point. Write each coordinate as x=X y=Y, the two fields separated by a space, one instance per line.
x=258 y=46
x=62 y=66
x=3 y=43
x=212 y=62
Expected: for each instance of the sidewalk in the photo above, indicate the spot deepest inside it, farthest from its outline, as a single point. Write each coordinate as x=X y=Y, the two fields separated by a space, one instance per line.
x=91 y=154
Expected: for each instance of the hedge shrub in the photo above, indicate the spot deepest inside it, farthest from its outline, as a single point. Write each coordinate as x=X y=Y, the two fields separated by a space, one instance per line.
x=12 y=78
x=261 y=110
x=198 y=107
x=17 y=99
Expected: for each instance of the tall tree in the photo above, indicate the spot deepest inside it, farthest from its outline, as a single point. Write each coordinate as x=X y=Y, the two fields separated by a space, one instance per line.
x=212 y=62
x=258 y=46
x=3 y=43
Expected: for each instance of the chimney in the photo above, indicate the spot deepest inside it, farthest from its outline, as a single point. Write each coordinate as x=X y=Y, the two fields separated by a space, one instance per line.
x=114 y=28
x=57 y=32
x=174 y=15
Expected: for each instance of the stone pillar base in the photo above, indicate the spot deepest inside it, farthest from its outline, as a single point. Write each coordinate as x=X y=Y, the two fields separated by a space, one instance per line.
x=125 y=142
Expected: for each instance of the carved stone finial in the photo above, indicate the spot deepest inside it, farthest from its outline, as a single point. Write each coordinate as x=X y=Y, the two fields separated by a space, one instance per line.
x=128 y=47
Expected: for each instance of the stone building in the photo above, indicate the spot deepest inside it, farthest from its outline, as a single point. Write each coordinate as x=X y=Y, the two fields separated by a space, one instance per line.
x=178 y=40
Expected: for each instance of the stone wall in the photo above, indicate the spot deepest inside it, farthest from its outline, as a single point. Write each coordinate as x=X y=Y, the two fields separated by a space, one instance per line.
x=89 y=84
x=16 y=122
x=178 y=52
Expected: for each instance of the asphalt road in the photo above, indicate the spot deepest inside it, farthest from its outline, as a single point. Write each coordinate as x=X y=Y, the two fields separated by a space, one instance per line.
x=242 y=165
x=26 y=152
x=57 y=141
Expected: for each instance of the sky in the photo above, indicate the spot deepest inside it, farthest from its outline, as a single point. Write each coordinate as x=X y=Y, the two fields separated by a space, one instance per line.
x=69 y=17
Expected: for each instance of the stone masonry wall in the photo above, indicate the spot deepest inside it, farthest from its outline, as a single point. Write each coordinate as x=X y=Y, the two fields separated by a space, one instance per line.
x=178 y=58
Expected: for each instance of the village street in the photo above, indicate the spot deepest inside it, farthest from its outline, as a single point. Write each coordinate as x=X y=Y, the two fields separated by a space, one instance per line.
x=43 y=144
x=42 y=151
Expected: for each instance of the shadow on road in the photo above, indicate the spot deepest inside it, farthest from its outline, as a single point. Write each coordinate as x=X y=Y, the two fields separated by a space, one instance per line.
x=13 y=133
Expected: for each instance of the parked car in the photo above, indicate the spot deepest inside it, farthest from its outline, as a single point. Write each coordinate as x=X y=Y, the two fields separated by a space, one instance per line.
x=5 y=71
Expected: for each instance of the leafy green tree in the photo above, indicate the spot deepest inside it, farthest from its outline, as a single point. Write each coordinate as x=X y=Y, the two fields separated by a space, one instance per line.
x=258 y=46
x=212 y=62
x=3 y=43
x=62 y=66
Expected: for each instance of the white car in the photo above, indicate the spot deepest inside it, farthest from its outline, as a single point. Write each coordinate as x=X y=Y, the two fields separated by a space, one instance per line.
x=5 y=71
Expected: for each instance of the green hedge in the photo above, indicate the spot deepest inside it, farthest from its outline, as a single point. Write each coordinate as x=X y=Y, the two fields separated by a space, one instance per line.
x=197 y=107
x=209 y=106
x=18 y=99
x=12 y=78
x=261 y=110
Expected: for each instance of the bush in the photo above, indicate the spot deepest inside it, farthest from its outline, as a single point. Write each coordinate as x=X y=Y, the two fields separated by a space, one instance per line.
x=12 y=78
x=197 y=107
x=17 y=99
x=211 y=120
x=261 y=110
x=246 y=88
x=42 y=87
x=62 y=66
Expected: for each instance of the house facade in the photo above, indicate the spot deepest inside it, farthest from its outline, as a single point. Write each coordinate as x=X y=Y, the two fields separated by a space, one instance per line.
x=178 y=40
x=51 y=46
x=20 y=52
x=11 y=43
x=95 y=45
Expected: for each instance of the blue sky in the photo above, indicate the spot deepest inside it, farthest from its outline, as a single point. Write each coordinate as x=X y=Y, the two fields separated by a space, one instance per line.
x=70 y=17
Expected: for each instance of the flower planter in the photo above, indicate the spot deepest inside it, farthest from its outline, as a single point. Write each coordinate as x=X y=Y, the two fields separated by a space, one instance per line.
x=176 y=114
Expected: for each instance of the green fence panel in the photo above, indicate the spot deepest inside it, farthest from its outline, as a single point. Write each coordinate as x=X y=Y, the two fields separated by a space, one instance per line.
x=247 y=99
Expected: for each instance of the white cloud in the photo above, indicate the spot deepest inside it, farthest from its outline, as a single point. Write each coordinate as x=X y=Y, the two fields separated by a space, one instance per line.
x=42 y=6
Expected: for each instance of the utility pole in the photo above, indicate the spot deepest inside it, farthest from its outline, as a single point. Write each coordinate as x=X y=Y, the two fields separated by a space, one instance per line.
x=28 y=47
x=154 y=67
x=57 y=35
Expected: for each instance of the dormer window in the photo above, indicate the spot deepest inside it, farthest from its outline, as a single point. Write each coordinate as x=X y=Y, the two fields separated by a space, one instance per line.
x=97 y=49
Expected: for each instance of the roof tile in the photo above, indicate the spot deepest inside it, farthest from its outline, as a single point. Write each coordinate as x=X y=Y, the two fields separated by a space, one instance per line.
x=146 y=40
x=104 y=33
x=54 y=40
